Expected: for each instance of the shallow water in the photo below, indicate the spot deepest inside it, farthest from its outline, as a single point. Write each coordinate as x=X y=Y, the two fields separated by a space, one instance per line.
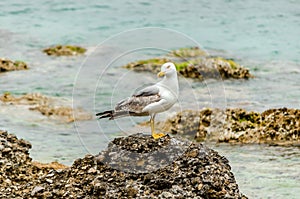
x=263 y=171
x=261 y=35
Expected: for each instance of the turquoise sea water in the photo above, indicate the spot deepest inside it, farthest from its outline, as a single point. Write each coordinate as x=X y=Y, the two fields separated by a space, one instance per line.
x=262 y=35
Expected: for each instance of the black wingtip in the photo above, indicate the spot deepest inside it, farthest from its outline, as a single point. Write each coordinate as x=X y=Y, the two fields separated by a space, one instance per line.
x=105 y=114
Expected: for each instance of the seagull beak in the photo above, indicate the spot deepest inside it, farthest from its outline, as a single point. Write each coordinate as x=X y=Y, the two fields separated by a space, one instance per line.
x=160 y=74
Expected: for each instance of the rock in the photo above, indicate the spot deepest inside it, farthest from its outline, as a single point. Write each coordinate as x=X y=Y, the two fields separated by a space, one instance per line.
x=16 y=170
x=8 y=65
x=46 y=106
x=27 y=99
x=200 y=67
x=195 y=172
x=36 y=190
x=274 y=126
x=62 y=112
x=67 y=50
x=166 y=194
x=49 y=181
x=150 y=65
x=52 y=166
x=213 y=67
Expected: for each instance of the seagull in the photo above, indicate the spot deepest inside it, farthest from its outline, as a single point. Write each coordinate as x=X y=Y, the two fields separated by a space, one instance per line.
x=149 y=101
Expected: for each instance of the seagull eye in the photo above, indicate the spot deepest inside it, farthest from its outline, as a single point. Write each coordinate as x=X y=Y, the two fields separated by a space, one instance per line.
x=168 y=66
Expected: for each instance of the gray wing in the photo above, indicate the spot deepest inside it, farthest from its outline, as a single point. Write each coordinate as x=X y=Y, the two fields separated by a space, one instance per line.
x=135 y=104
x=148 y=91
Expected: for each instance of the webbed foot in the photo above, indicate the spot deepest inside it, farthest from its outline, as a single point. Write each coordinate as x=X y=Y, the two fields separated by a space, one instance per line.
x=158 y=135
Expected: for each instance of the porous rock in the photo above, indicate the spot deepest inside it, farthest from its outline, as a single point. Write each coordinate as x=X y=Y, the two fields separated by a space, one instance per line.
x=19 y=177
x=195 y=172
x=274 y=126
x=199 y=69
x=215 y=68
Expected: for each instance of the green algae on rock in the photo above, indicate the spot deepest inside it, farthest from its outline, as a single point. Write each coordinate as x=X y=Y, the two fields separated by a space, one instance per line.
x=46 y=106
x=9 y=65
x=199 y=172
x=215 y=67
x=274 y=126
x=201 y=68
x=67 y=50
x=188 y=52
x=148 y=65
x=192 y=62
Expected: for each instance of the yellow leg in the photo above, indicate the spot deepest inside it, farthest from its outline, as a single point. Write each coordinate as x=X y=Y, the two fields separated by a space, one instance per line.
x=154 y=134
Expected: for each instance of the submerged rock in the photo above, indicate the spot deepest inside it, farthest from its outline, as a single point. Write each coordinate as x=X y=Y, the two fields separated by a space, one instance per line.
x=274 y=126
x=46 y=106
x=26 y=99
x=67 y=50
x=9 y=65
x=195 y=172
x=200 y=67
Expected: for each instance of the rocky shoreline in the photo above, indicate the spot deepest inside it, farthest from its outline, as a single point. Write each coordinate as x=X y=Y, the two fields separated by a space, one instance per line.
x=196 y=172
x=194 y=63
x=274 y=126
x=47 y=106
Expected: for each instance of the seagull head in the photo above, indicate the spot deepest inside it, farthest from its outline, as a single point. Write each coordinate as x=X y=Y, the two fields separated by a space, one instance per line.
x=167 y=69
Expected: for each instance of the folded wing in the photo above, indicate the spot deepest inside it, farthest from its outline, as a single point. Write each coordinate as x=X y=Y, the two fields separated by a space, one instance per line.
x=133 y=105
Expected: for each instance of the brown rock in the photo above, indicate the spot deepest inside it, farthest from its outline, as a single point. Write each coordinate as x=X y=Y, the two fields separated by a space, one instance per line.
x=8 y=65
x=46 y=106
x=199 y=172
x=274 y=126
x=66 y=50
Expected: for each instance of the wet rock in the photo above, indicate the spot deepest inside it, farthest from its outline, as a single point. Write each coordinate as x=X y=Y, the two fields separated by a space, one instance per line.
x=197 y=172
x=9 y=65
x=275 y=126
x=27 y=99
x=64 y=112
x=67 y=50
x=46 y=106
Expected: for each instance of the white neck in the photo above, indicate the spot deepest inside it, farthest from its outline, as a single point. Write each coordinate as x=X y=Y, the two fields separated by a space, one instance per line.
x=171 y=82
